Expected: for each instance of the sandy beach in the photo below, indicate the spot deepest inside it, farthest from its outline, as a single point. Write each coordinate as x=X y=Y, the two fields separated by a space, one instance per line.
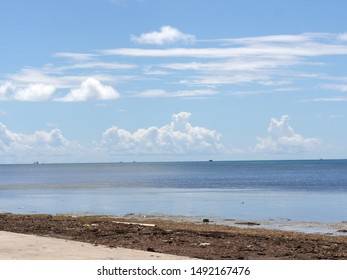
x=159 y=236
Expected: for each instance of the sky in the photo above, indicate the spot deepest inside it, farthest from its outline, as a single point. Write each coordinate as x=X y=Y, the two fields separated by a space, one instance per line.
x=160 y=80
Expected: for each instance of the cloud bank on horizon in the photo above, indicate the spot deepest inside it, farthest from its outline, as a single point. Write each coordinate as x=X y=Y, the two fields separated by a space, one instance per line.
x=179 y=137
x=283 y=139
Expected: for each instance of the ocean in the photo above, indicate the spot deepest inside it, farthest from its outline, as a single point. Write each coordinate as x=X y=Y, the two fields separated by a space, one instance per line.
x=305 y=191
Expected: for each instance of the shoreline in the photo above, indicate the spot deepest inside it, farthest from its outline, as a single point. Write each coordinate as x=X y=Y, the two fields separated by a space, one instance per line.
x=312 y=227
x=203 y=240
x=282 y=224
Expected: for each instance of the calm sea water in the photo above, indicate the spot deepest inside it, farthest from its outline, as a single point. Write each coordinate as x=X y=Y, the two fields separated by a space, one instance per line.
x=246 y=190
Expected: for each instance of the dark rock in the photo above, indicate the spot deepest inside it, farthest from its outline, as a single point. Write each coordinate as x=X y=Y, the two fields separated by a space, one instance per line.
x=247 y=223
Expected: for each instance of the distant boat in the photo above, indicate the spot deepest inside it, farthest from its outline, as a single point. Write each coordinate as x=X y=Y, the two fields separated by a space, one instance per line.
x=211 y=160
x=36 y=162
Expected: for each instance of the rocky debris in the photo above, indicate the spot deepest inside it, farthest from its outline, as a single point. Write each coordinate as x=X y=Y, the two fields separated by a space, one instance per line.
x=204 y=244
x=247 y=223
x=197 y=240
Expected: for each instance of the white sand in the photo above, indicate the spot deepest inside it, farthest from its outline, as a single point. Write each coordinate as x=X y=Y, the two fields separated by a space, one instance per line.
x=15 y=246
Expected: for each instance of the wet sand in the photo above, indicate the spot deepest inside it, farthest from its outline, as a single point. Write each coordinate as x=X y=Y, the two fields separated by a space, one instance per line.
x=201 y=240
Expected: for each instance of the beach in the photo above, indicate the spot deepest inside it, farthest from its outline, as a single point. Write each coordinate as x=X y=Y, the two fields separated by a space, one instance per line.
x=202 y=240
x=255 y=209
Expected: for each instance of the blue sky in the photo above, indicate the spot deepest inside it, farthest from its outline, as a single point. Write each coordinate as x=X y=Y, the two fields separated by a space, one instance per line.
x=152 y=80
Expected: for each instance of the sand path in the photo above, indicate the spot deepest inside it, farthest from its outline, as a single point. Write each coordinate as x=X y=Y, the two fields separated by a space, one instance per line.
x=15 y=246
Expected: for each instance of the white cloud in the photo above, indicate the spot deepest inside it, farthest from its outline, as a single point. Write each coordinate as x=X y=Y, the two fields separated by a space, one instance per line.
x=7 y=90
x=194 y=93
x=41 y=145
x=32 y=92
x=246 y=60
x=339 y=87
x=285 y=38
x=27 y=76
x=31 y=84
x=90 y=89
x=35 y=92
x=176 y=52
x=261 y=61
x=233 y=65
x=153 y=93
x=232 y=78
x=268 y=91
x=283 y=139
x=76 y=56
x=179 y=93
x=147 y=70
x=313 y=46
x=38 y=139
x=178 y=137
x=166 y=35
x=237 y=70
x=342 y=36
x=334 y=87
x=99 y=65
x=56 y=76
x=52 y=139
x=328 y=99
x=7 y=137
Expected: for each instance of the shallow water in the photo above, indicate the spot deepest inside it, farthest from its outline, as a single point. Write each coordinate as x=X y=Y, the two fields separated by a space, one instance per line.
x=272 y=191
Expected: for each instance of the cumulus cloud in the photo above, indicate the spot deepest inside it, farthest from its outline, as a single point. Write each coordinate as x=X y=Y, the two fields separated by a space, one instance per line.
x=52 y=139
x=31 y=147
x=283 y=139
x=90 y=89
x=166 y=35
x=33 y=92
x=7 y=90
x=177 y=137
